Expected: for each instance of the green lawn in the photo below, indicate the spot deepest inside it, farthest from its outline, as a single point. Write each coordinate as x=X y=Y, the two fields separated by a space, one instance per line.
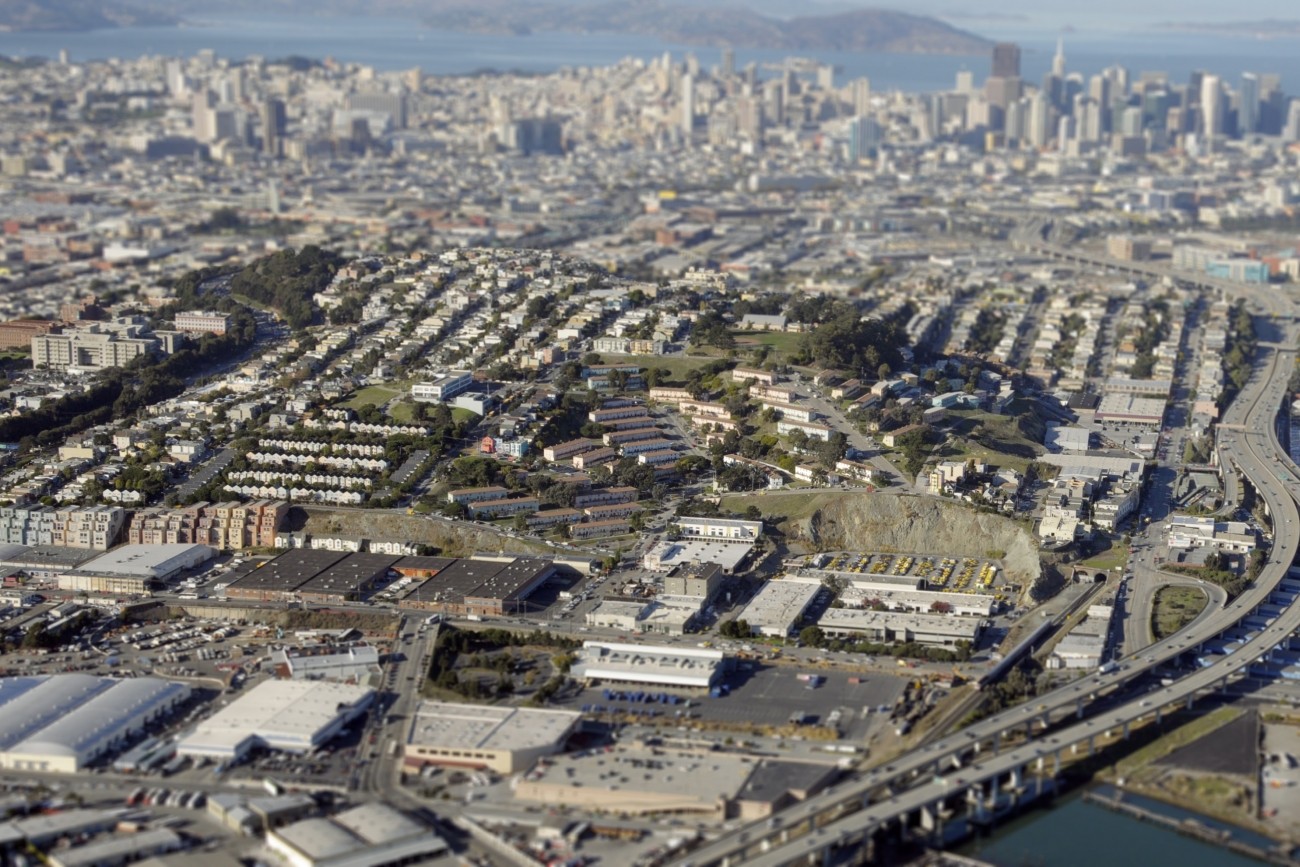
x=783 y=342
x=373 y=394
x=988 y=437
x=459 y=414
x=1112 y=558
x=678 y=366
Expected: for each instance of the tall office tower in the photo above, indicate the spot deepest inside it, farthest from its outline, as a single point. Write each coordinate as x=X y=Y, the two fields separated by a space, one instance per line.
x=274 y=124
x=728 y=62
x=225 y=90
x=1119 y=79
x=1053 y=86
x=175 y=78
x=749 y=117
x=864 y=139
x=692 y=65
x=1058 y=59
x=774 y=102
x=790 y=82
x=1064 y=132
x=1248 y=105
x=965 y=81
x=203 y=116
x=1291 y=129
x=751 y=75
x=1006 y=60
x=860 y=95
x=1272 y=104
x=1099 y=89
x=826 y=77
x=1212 y=108
x=1087 y=117
x=688 y=104
x=1038 y=125
x=1001 y=92
x=1130 y=122
x=1013 y=124
x=1192 y=96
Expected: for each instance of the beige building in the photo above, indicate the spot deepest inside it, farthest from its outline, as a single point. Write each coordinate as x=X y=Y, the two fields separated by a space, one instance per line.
x=501 y=739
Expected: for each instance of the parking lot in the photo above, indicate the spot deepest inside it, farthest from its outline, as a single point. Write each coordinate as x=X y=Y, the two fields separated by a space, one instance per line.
x=765 y=695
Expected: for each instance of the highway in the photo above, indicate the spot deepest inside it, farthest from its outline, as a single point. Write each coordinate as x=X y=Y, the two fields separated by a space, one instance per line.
x=845 y=814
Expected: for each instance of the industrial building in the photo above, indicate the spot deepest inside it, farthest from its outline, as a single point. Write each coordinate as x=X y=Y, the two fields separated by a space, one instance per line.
x=64 y=722
x=779 y=607
x=351 y=579
x=634 y=780
x=295 y=716
x=501 y=739
x=649 y=664
x=481 y=586
x=369 y=835
x=278 y=580
x=886 y=627
x=134 y=570
x=354 y=664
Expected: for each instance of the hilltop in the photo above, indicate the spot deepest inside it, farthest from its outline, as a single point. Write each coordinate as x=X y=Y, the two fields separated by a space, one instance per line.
x=76 y=15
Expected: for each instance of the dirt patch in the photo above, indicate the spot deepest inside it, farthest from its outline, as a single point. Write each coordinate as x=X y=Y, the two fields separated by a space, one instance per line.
x=452 y=539
x=888 y=522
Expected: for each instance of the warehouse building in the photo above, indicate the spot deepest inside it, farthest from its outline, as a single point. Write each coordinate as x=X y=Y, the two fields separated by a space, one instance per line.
x=885 y=627
x=278 y=580
x=779 y=607
x=348 y=580
x=482 y=586
x=295 y=716
x=354 y=664
x=501 y=739
x=64 y=722
x=369 y=835
x=649 y=664
x=134 y=570
x=641 y=781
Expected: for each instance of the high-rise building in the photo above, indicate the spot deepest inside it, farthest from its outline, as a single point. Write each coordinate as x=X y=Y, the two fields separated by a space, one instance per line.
x=688 y=104
x=860 y=93
x=1038 y=125
x=1212 y=108
x=728 y=62
x=965 y=81
x=274 y=124
x=1006 y=60
x=1058 y=60
x=1248 y=105
x=204 y=116
x=864 y=138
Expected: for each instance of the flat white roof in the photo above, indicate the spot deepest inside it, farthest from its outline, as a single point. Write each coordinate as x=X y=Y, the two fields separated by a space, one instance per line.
x=779 y=604
x=372 y=833
x=646 y=663
x=442 y=724
x=283 y=714
x=147 y=561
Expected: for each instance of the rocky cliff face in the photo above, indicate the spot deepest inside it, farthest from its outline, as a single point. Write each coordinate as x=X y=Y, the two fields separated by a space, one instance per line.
x=923 y=525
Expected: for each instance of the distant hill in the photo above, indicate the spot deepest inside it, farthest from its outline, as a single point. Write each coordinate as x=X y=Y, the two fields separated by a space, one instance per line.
x=708 y=24
x=75 y=15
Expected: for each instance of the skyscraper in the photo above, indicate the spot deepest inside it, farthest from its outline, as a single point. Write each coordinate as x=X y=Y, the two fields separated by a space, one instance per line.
x=1248 y=105
x=728 y=62
x=688 y=104
x=1211 y=106
x=864 y=138
x=204 y=116
x=1058 y=60
x=1006 y=60
x=274 y=123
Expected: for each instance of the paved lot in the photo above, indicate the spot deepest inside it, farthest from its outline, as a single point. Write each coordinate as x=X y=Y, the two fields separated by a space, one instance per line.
x=1280 y=783
x=768 y=695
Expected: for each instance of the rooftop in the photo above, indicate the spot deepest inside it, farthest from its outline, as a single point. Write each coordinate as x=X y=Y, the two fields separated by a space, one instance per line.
x=481 y=727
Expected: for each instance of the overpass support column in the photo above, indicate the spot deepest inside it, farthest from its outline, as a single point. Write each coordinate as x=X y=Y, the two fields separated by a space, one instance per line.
x=1191 y=698
x=1159 y=715
x=1078 y=708
x=997 y=742
x=1125 y=731
x=1056 y=764
x=1092 y=744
